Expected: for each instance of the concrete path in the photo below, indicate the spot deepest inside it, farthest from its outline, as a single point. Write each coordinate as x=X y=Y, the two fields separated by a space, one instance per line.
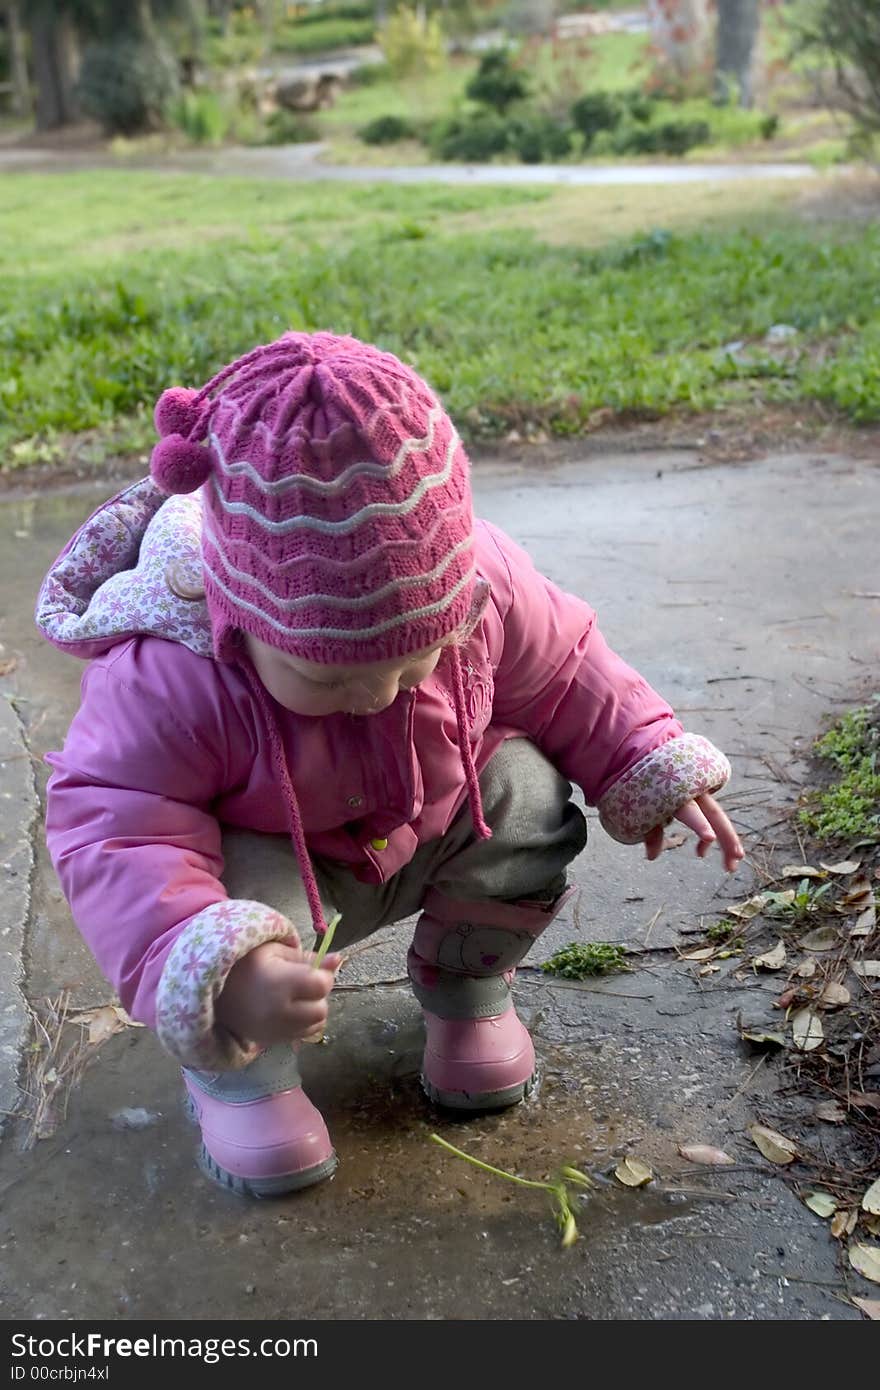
x=303 y=162
x=739 y=591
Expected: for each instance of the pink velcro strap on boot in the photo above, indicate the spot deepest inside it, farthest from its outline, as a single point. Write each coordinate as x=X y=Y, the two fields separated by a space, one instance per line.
x=481 y=937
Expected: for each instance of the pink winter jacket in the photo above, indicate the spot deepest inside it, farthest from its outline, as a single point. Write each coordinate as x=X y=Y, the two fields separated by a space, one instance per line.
x=168 y=744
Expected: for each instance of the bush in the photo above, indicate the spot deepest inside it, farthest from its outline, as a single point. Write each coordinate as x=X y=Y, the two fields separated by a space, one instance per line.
x=497 y=83
x=536 y=136
x=669 y=137
x=288 y=128
x=325 y=36
x=384 y=130
x=594 y=112
x=370 y=74
x=201 y=117
x=412 y=43
x=474 y=139
x=128 y=85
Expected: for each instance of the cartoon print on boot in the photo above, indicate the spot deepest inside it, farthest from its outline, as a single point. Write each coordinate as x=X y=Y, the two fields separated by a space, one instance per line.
x=482 y=950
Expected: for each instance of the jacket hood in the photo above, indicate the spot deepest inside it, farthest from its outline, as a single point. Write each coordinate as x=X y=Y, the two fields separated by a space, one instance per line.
x=113 y=581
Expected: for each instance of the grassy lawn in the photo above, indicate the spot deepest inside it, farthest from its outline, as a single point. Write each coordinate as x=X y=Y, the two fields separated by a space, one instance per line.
x=525 y=307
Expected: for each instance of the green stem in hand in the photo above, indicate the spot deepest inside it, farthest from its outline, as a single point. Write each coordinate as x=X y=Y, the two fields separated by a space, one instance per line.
x=326 y=940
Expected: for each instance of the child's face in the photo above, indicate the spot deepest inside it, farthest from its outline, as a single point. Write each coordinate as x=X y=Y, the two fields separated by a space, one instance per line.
x=306 y=687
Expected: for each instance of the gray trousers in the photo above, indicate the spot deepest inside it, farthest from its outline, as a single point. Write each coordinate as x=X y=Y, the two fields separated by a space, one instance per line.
x=536 y=832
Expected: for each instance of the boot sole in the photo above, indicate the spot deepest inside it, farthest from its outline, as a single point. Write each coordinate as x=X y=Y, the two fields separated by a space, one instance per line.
x=480 y=1100
x=258 y=1187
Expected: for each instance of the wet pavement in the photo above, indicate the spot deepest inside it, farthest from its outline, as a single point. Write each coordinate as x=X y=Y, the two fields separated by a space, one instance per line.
x=738 y=591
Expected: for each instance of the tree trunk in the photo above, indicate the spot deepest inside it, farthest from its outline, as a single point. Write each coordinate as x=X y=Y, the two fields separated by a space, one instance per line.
x=679 y=30
x=738 y=23
x=21 y=91
x=55 y=59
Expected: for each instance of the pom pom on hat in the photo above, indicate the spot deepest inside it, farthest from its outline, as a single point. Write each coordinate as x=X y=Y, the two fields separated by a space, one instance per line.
x=176 y=411
x=180 y=465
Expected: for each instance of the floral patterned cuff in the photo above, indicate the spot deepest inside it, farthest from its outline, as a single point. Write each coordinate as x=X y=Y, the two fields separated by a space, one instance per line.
x=652 y=791
x=195 y=973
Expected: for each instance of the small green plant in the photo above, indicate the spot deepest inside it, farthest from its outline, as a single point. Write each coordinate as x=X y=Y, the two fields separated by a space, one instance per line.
x=128 y=85
x=580 y=960
x=497 y=84
x=798 y=903
x=849 y=809
x=726 y=933
x=597 y=111
x=557 y=1187
x=384 y=130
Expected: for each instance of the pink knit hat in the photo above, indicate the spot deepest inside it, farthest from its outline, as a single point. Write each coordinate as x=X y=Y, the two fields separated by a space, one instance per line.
x=338 y=522
x=337 y=515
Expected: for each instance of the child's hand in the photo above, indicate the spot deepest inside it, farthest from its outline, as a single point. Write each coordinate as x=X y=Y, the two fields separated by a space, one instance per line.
x=274 y=994
x=705 y=817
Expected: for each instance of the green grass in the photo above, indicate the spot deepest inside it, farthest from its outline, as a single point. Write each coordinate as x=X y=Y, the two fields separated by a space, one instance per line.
x=580 y=960
x=848 y=809
x=117 y=284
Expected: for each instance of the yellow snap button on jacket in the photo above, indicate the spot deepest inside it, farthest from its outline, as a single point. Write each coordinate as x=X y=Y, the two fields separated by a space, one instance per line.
x=379 y=844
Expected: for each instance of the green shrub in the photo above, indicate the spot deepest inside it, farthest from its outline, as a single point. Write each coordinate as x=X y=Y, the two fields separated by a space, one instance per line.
x=128 y=85
x=596 y=111
x=321 y=13
x=669 y=137
x=536 y=136
x=323 y=37
x=370 y=75
x=474 y=139
x=497 y=83
x=201 y=116
x=289 y=128
x=412 y=43
x=384 y=130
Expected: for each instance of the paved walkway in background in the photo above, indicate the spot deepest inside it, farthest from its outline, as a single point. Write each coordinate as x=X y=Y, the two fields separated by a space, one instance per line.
x=303 y=162
x=739 y=591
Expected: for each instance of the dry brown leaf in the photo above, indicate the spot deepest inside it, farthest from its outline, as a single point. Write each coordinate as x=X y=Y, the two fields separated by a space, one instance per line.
x=801 y=871
x=757 y=1036
x=866 y=1259
x=103 y=1022
x=830 y=1112
x=704 y=1153
x=806 y=969
x=773 y=959
x=867 y=969
x=773 y=1145
x=839 y=1223
x=859 y=889
x=871 y=1199
x=807 y=1030
x=845 y=866
x=865 y=922
x=820 y=939
x=834 y=995
x=872 y=1224
x=822 y=1203
x=749 y=909
x=632 y=1172
x=869 y=1306
x=8 y=666
x=710 y=970
x=704 y=953
x=865 y=1100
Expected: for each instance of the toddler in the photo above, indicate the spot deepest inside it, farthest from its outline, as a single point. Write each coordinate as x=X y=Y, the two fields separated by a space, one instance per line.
x=297 y=632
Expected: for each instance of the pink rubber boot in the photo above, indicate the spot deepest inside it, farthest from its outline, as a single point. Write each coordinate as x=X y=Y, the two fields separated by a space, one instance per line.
x=261 y=1135
x=478 y=1055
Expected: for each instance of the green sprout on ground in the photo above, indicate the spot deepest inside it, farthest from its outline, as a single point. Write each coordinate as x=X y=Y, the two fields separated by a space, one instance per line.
x=558 y=1188
x=580 y=960
x=799 y=903
x=726 y=932
x=847 y=810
